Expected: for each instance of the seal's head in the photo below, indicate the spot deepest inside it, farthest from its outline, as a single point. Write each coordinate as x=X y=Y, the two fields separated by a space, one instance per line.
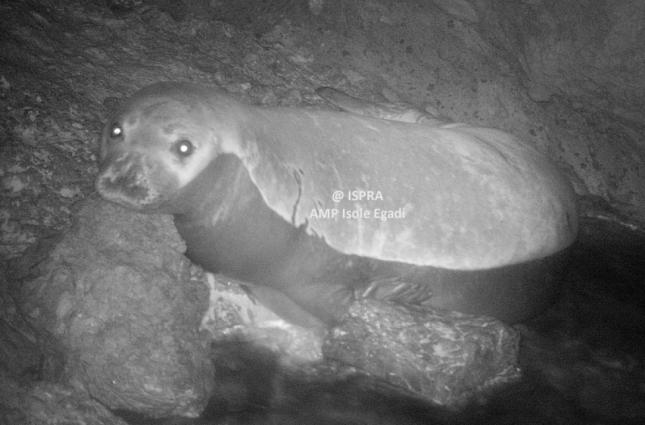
x=158 y=142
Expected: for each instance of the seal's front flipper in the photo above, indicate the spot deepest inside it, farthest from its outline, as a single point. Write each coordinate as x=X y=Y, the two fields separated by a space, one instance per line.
x=283 y=306
x=398 y=290
x=328 y=302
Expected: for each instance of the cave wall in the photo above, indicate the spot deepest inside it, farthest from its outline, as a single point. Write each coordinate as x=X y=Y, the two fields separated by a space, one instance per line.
x=583 y=62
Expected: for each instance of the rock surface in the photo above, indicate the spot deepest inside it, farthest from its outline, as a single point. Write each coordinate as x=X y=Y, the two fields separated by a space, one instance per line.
x=50 y=404
x=111 y=295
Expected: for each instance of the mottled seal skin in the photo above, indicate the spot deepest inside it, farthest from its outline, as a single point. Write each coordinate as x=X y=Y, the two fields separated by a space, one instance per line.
x=488 y=219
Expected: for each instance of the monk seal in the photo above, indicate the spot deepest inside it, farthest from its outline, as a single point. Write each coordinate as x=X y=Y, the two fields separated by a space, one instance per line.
x=325 y=206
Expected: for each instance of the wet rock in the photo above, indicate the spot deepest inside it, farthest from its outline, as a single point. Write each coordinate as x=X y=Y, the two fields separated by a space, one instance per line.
x=236 y=314
x=447 y=357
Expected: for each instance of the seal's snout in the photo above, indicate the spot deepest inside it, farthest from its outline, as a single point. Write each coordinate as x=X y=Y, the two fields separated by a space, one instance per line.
x=125 y=180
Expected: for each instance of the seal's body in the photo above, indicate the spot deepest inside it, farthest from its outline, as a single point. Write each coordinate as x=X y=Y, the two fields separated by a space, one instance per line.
x=470 y=216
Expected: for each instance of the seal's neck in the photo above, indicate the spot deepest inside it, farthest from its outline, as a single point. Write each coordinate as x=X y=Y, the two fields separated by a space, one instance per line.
x=214 y=191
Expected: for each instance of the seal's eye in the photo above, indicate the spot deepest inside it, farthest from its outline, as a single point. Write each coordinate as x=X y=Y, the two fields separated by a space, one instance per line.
x=116 y=131
x=184 y=148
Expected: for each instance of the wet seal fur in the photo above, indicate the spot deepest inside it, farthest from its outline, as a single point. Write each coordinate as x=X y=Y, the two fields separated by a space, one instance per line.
x=488 y=219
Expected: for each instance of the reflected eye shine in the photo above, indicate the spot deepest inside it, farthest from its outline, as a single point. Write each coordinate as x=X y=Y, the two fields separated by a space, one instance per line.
x=184 y=148
x=116 y=131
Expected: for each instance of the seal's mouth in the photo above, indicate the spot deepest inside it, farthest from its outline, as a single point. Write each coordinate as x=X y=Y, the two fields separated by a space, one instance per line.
x=126 y=181
x=127 y=195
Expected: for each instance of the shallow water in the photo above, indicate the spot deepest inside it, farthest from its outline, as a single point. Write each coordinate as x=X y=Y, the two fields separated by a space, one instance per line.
x=583 y=361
